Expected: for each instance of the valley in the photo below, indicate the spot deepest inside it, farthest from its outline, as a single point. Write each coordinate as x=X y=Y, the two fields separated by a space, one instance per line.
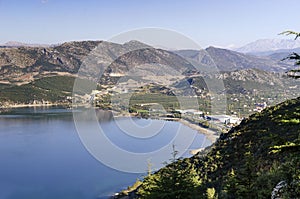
x=45 y=75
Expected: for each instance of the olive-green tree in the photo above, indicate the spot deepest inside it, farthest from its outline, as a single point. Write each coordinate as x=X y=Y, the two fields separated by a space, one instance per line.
x=178 y=180
x=294 y=73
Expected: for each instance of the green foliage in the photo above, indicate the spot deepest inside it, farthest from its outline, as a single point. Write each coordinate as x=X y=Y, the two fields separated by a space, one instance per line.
x=231 y=185
x=295 y=73
x=290 y=172
x=247 y=162
x=211 y=193
x=178 y=180
x=59 y=83
x=53 y=89
x=27 y=93
x=246 y=178
x=131 y=188
x=290 y=32
x=255 y=154
x=285 y=147
x=292 y=121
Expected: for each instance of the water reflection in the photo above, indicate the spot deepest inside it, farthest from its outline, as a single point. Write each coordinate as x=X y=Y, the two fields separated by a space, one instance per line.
x=91 y=114
x=42 y=156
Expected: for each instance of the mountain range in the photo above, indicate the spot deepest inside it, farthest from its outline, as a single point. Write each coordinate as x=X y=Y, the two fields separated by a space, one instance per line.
x=18 y=64
x=267 y=45
x=228 y=60
x=31 y=68
x=247 y=162
x=21 y=44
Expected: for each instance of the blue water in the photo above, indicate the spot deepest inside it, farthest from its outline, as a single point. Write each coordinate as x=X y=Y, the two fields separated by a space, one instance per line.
x=42 y=157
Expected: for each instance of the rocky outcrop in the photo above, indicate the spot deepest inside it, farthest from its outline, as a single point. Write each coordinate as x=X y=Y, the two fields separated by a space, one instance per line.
x=278 y=190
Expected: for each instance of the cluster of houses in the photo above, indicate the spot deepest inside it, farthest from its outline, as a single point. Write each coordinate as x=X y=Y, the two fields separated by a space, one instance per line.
x=260 y=106
x=223 y=119
x=219 y=119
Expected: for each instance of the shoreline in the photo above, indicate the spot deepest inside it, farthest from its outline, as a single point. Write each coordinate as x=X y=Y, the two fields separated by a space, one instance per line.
x=33 y=105
x=209 y=134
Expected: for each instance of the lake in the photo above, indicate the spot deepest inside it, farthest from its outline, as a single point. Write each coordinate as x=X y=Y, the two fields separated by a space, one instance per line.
x=43 y=157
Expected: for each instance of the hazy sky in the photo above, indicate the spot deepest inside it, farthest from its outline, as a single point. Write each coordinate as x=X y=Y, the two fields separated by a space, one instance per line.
x=208 y=22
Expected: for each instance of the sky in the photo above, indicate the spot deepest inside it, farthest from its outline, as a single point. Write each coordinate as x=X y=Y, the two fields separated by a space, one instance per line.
x=221 y=23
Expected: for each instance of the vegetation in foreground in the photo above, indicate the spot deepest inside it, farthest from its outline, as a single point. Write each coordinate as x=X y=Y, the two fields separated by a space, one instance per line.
x=258 y=159
x=247 y=162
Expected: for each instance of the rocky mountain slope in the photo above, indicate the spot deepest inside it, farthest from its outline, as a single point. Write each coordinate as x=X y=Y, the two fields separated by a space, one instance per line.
x=21 y=67
x=24 y=64
x=18 y=64
x=27 y=63
x=227 y=60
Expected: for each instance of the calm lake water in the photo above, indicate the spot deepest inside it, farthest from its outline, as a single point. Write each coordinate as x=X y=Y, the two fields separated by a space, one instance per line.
x=42 y=156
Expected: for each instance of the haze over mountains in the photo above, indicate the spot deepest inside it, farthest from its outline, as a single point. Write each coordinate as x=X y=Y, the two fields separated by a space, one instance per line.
x=29 y=74
x=228 y=60
x=26 y=63
x=20 y=44
x=268 y=45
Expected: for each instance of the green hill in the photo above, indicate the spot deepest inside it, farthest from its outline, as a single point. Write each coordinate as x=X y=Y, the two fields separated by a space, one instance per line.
x=256 y=152
x=53 y=89
x=248 y=161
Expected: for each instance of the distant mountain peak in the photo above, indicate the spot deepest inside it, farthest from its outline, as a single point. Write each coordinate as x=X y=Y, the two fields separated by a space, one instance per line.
x=20 y=44
x=136 y=44
x=229 y=60
x=263 y=45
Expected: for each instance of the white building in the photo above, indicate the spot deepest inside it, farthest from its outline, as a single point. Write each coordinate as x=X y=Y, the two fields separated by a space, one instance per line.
x=226 y=119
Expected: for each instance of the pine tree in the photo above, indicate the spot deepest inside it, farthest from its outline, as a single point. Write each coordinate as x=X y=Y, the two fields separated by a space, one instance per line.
x=294 y=73
x=178 y=180
x=246 y=178
x=231 y=185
